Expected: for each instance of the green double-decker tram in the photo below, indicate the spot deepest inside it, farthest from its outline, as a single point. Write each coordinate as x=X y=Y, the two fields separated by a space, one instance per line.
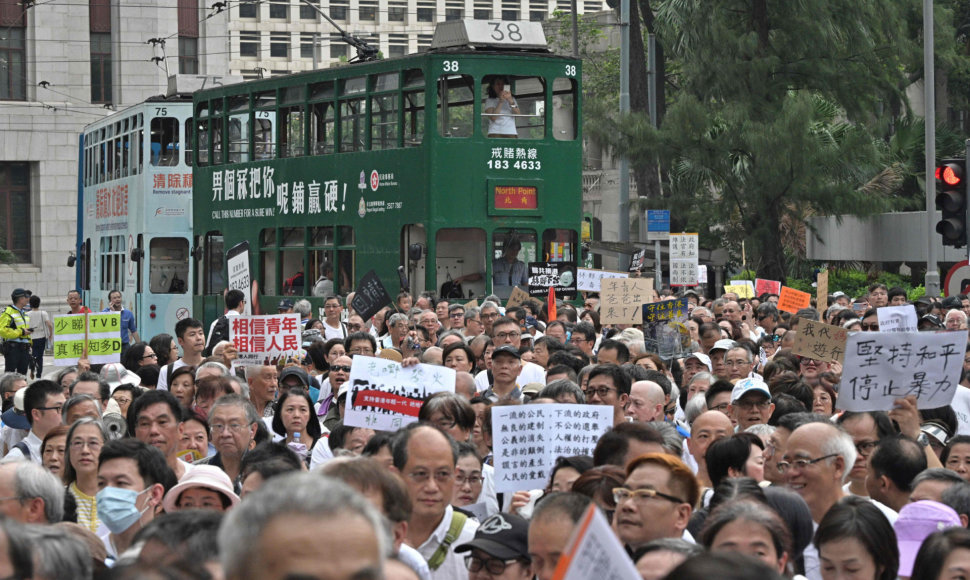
x=421 y=168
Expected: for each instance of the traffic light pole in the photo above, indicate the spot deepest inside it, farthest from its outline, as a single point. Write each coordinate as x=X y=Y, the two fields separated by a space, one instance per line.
x=932 y=281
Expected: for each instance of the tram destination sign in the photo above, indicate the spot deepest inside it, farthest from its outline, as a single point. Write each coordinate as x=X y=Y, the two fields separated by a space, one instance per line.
x=516 y=196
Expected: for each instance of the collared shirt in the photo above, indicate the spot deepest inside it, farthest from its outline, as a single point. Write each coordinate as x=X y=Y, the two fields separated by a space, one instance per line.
x=453 y=567
x=33 y=444
x=127 y=323
x=515 y=395
x=505 y=274
x=530 y=373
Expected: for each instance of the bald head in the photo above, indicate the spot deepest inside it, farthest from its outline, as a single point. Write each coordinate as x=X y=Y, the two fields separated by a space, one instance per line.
x=646 y=402
x=465 y=385
x=707 y=428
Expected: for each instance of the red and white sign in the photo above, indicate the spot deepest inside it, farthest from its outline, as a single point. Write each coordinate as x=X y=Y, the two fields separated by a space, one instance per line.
x=957 y=279
x=265 y=339
x=375 y=180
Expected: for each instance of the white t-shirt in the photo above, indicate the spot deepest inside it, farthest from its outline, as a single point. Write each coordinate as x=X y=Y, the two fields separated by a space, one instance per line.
x=961 y=406
x=163 y=374
x=502 y=123
x=530 y=373
x=331 y=332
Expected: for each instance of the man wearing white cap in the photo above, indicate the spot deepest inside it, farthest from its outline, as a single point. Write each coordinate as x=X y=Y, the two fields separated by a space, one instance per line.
x=717 y=353
x=696 y=362
x=750 y=403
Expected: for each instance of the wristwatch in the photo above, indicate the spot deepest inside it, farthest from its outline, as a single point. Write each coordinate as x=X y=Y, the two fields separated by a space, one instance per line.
x=923 y=440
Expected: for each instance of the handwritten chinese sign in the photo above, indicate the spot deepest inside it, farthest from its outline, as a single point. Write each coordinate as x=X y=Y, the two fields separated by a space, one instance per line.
x=101 y=342
x=881 y=367
x=820 y=341
x=897 y=318
x=683 y=260
x=589 y=280
x=791 y=300
x=385 y=396
x=622 y=299
x=742 y=290
x=264 y=340
x=762 y=286
x=528 y=439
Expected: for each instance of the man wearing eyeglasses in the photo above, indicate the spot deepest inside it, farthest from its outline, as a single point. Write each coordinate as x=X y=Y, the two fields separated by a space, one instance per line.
x=456 y=317
x=232 y=421
x=500 y=549
x=43 y=401
x=507 y=332
x=609 y=385
x=750 y=403
x=426 y=458
x=656 y=500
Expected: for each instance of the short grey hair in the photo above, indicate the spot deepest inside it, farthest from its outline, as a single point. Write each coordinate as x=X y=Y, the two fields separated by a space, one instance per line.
x=840 y=443
x=701 y=376
x=58 y=553
x=940 y=474
x=395 y=318
x=302 y=307
x=695 y=408
x=673 y=440
x=473 y=312
x=31 y=481
x=7 y=380
x=243 y=385
x=308 y=494
x=223 y=371
x=560 y=387
x=748 y=355
x=236 y=401
x=77 y=400
x=761 y=430
x=488 y=304
x=702 y=311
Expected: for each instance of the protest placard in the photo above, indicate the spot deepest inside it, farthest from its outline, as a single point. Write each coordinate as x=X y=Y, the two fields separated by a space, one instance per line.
x=881 y=367
x=637 y=260
x=762 y=286
x=622 y=299
x=683 y=260
x=594 y=551
x=518 y=297
x=472 y=304
x=385 y=396
x=528 y=439
x=264 y=340
x=820 y=341
x=822 y=290
x=897 y=318
x=558 y=275
x=96 y=337
x=664 y=330
x=791 y=300
x=742 y=290
x=589 y=280
x=702 y=274
x=370 y=296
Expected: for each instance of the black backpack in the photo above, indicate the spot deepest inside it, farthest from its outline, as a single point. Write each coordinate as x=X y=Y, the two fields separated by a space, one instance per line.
x=220 y=332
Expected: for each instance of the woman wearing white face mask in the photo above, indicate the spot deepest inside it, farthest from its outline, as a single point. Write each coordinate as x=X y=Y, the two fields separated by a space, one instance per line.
x=132 y=478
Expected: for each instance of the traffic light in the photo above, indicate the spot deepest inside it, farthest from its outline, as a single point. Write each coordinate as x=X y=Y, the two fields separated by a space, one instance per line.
x=951 y=200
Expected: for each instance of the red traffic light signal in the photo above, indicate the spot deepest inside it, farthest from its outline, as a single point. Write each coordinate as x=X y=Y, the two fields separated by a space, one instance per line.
x=951 y=200
x=951 y=174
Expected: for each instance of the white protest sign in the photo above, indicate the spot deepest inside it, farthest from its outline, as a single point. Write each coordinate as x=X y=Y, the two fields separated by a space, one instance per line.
x=683 y=260
x=264 y=340
x=237 y=265
x=897 y=318
x=594 y=551
x=385 y=396
x=527 y=439
x=588 y=280
x=882 y=367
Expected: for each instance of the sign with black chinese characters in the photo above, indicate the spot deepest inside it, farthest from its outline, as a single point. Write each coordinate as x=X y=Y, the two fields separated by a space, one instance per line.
x=94 y=336
x=264 y=340
x=820 y=341
x=683 y=260
x=588 y=280
x=527 y=439
x=637 y=261
x=622 y=299
x=558 y=275
x=370 y=296
x=385 y=396
x=664 y=330
x=881 y=367
x=897 y=318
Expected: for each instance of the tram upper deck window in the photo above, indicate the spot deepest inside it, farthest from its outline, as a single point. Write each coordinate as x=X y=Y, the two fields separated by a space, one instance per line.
x=168 y=269
x=456 y=103
x=352 y=121
x=264 y=137
x=564 y=109
x=165 y=149
x=202 y=135
x=514 y=107
x=239 y=129
x=322 y=118
x=413 y=107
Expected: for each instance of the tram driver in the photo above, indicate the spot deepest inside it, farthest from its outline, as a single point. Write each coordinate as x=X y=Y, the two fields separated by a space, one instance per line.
x=509 y=270
x=500 y=106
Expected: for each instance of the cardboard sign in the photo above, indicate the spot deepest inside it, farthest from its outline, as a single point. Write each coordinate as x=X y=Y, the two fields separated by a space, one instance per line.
x=898 y=318
x=472 y=304
x=622 y=299
x=589 y=280
x=385 y=396
x=518 y=297
x=264 y=340
x=370 y=296
x=594 y=551
x=742 y=290
x=94 y=336
x=528 y=438
x=881 y=367
x=762 y=286
x=664 y=330
x=822 y=290
x=820 y=341
x=558 y=275
x=791 y=300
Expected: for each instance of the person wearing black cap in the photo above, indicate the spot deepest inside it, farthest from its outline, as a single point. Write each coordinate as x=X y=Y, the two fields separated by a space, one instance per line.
x=15 y=333
x=506 y=364
x=500 y=549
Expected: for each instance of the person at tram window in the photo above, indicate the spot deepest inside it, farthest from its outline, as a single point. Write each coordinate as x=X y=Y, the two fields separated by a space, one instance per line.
x=509 y=270
x=499 y=108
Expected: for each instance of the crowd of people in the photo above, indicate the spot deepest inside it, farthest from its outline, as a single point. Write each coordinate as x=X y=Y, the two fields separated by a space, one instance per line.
x=730 y=461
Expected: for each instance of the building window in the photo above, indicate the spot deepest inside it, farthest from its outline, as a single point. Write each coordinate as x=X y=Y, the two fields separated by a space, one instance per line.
x=368 y=10
x=510 y=15
x=338 y=9
x=248 y=9
x=188 y=55
x=249 y=44
x=425 y=14
x=100 y=67
x=15 y=210
x=397 y=12
x=279 y=45
x=13 y=76
x=454 y=13
x=537 y=16
x=279 y=10
x=483 y=13
x=306 y=45
x=307 y=12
